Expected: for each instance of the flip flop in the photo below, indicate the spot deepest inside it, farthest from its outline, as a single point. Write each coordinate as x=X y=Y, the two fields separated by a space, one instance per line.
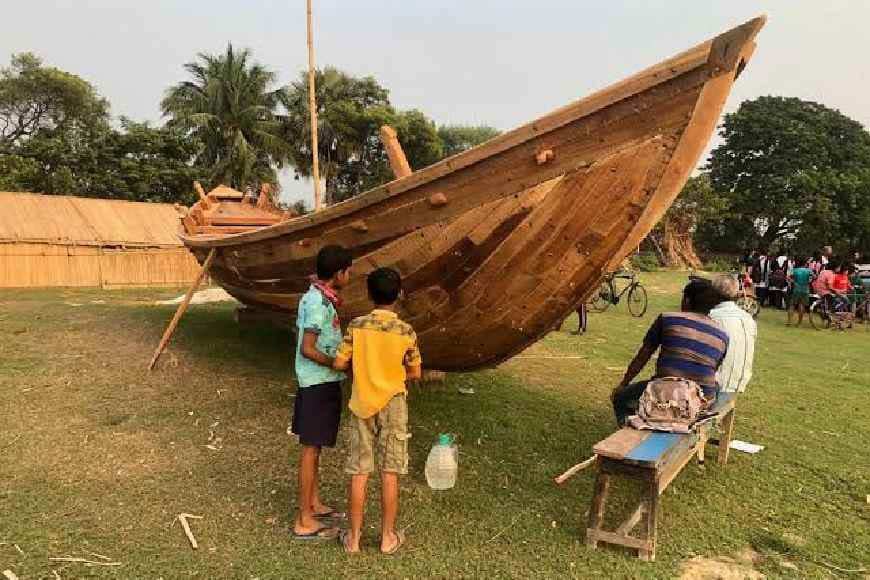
x=324 y=533
x=400 y=540
x=333 y=515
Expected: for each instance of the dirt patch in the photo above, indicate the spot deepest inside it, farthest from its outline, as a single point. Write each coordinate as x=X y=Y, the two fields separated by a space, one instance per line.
x=737 y=567
x=202 y=297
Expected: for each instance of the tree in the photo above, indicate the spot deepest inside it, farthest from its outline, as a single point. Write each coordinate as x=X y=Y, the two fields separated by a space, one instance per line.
x=350 y=113
x=137 y=163
x=793 y=170
x=697 y=205
x=457 y=138
x=230 y=107
x=35 y=98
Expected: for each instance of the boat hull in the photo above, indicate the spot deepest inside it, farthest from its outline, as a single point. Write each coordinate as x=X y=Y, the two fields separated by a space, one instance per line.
x=498 y=245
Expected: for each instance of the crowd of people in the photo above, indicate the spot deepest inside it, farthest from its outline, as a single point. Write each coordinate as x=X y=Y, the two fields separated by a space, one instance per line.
x=788 y=282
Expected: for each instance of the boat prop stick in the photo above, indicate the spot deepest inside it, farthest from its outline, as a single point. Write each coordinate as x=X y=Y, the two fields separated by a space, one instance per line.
x=312 y=107
x=575 y=470
x=181 y=309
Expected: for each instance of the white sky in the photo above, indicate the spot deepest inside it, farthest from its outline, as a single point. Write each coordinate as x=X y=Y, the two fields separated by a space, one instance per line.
x=497 y=62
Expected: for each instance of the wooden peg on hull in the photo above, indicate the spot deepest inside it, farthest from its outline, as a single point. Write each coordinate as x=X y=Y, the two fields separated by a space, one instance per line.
x=398 y=161
x=544 y=157
x=438 y=200
x=359 y=226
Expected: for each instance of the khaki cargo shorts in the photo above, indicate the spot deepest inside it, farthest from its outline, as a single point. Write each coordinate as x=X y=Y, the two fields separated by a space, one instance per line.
x=388 y=430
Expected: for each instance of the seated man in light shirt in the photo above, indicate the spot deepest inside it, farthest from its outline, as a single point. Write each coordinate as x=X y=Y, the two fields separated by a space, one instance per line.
x=736 y=368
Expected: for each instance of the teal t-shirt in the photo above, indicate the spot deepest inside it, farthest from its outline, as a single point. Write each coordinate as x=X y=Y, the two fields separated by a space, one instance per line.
x=318 y=315
x=802 y=278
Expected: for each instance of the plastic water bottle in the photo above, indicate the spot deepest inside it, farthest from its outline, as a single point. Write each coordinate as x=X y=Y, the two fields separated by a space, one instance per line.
x=442 y=464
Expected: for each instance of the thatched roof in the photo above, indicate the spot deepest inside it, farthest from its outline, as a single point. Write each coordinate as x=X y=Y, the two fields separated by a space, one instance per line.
x=66 y=220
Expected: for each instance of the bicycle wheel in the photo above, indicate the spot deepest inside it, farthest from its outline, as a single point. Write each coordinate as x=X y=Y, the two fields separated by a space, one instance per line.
x=819 y=318
x=602 y=299
x=637 y=302
x=750 y=305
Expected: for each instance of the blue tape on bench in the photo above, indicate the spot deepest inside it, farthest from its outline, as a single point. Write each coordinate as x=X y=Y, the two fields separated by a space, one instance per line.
x=654 y=446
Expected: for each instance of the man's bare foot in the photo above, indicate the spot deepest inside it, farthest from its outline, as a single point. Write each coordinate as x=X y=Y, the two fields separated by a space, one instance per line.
x=390 y=543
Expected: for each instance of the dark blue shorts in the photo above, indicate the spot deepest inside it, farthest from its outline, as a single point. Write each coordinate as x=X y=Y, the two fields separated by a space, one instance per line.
x=317 y=414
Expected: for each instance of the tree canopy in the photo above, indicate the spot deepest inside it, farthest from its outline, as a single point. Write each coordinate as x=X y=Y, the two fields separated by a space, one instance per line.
x=230 y=107
x=228 y=123
x=350 y=113
x=794 y=172
x=57 y=139
x=457 y=138
x=35 y=98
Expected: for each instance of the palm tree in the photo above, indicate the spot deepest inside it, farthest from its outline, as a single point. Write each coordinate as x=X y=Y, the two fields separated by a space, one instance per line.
x=231 y=108
x=350 y=111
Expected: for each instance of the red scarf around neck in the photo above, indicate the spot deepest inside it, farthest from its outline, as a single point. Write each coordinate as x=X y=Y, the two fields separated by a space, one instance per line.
x=327 y=291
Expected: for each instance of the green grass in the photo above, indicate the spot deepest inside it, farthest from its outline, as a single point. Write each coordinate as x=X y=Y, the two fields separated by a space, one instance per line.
x=98 y=455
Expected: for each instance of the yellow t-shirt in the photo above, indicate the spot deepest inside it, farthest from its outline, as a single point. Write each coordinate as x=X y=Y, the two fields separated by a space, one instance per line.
x=380 y=346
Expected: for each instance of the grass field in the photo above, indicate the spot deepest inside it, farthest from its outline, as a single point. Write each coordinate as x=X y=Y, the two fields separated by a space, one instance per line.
x=98 y=456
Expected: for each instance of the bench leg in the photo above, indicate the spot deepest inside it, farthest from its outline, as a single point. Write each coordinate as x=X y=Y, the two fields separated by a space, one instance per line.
x=596 y=510
x=725 y=433
x=648 y=554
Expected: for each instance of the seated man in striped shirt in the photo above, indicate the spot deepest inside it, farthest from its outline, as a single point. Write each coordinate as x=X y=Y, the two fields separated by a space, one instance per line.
x=736 y=369
x=692 y=347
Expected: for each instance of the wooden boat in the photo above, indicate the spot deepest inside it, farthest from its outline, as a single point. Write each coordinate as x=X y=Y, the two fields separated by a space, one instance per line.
x=498 y=244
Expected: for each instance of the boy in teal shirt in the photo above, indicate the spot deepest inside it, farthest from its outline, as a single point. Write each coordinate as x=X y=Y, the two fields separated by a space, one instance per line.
x=317 y=408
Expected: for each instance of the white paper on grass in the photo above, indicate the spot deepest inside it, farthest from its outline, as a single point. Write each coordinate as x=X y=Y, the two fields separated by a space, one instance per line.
x=745 y=446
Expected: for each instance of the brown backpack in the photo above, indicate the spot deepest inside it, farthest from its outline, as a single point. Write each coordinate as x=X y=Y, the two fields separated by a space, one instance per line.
x=670 y=404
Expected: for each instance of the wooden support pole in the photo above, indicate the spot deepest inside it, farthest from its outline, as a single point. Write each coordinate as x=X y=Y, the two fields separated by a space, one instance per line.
x=398 y=161
x=181 y=309
x=575 y=470
x=312 y=107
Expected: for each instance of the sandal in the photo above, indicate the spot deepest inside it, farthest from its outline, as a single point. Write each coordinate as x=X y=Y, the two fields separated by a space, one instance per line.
x=331 y=515
x=400 y=541
x=324 y=533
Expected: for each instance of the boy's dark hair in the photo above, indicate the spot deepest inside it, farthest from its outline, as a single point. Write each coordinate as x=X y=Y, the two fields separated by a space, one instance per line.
x=331 y=260
x=384 y=285
x=699 y=296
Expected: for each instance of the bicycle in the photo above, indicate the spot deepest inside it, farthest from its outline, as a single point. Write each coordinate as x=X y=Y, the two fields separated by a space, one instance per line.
x=824 y=312
x=747 y=301
x=607 y=294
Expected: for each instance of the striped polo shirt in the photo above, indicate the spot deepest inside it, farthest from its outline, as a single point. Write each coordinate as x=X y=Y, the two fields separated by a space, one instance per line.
x=692 y=346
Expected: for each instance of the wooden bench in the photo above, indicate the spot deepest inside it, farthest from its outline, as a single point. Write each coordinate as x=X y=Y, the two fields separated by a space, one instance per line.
x=655 y=459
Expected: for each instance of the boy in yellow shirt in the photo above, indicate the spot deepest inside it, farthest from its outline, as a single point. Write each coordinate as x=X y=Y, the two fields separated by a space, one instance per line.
x=383 y=352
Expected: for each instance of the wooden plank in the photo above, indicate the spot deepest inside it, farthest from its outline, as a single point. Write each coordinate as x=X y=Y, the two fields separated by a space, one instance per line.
x=616 y=539
x=726 y=432
x=629 y=524
x=620 y=444
x=673 y=464
x=219 y=220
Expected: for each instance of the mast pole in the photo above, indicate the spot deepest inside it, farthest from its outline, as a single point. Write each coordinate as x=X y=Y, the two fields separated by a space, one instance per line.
x=312 y=107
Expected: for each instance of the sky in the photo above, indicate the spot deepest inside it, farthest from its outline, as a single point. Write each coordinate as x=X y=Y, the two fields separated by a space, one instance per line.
x=499 y=63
